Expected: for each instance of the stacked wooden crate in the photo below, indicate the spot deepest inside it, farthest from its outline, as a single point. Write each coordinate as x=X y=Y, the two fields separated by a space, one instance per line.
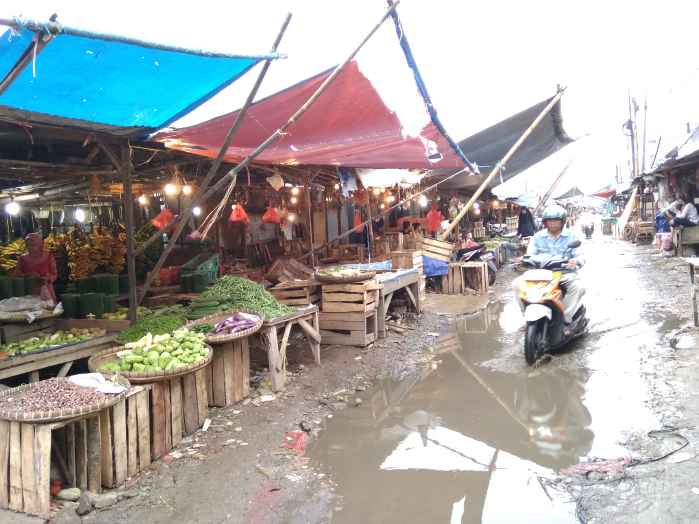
x=437 y=249
x=408 y=259
x=297 y=292
x=348 y=313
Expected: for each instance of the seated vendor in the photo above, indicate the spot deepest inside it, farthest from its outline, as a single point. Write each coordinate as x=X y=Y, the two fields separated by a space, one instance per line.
x=687 y=217
x=37 y=262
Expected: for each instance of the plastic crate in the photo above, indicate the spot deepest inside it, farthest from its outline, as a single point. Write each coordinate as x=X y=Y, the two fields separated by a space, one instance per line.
x=203 y=263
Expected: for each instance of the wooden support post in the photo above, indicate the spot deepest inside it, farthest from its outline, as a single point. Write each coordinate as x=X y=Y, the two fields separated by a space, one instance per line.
x=126 y=168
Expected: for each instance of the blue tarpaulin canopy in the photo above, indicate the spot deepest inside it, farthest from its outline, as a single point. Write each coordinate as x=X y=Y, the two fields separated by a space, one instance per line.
x=56 y=75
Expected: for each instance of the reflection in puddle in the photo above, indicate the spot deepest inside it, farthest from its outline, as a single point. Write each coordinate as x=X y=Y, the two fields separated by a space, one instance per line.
x=471 y=440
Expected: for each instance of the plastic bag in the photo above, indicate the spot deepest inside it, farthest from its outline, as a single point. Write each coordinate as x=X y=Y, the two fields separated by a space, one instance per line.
x=239 y=215
x=271 y=216
x=163 y=219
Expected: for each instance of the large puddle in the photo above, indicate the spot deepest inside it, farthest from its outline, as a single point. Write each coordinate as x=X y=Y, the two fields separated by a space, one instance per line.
x=474 y=438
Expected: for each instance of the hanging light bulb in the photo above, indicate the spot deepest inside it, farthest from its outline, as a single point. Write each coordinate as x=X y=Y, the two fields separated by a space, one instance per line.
x=422 y=200
x=291 y=217
x=171 y=189
x=295 y=190
x=476 y=211
x=337 y=186
x=390 y=199
x=143 y=200
x=383 y=206
x=12 y=208
x=79 y=215
x=186 y=189
x=476 y=206
x=233 y=206
x=377 y=191
x=196 y=211
x=293 y=200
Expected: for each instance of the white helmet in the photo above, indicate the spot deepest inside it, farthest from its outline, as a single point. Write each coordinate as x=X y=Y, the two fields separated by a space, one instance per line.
x=554 y=212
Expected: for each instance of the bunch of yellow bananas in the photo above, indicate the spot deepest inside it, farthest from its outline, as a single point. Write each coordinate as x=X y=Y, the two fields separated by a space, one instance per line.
x=80 y=262
x=10 y=253
x=100 y=245
x=118 y=260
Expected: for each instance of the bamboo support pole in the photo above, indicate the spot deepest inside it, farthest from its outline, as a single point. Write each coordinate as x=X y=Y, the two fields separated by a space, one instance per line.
x=501 y=163
x=202 y=194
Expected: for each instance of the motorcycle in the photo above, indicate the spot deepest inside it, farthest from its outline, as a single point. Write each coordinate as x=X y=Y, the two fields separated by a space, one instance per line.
x=588 y=229
x=541 y=293
x=478 y=253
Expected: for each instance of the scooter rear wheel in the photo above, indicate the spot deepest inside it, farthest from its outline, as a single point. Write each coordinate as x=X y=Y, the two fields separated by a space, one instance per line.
x=534 y=342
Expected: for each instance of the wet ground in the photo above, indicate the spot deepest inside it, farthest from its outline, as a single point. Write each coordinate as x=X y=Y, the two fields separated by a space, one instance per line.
x=446 y=423
x=481 y=437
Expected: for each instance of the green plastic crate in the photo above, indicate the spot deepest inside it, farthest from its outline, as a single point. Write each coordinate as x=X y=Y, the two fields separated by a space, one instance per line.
x=206 y=263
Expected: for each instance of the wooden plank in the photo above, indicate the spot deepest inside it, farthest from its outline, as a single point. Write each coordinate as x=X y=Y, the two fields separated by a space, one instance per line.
x=324 y=316
x=121 y=458
x=144 y=429
x=227 y=354
x=289 y=293
x=29 y=487
x=132 y=466
x=341 y=325
x=81 y=454
x=202 y=400
x=176 y=408
x=342 y=307
x=246 y=366
x=309 y=330
x=299 y=301
x=189 y=404
x=168 y=413
x=94 y=477
x=4 y=463
x=236 y=371
x=158 y=424
x=107 y=449
x=16 y=499
x=345 y=297
x=371 y=285
x=209 y=386
x=274 y=363
x=42 y=469
x=218 y=371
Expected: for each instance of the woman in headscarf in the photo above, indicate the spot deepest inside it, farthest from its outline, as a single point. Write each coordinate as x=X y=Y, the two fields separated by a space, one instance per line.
x=37 y=262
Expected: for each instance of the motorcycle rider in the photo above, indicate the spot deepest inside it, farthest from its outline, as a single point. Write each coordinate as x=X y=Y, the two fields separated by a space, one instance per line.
x=553 y=240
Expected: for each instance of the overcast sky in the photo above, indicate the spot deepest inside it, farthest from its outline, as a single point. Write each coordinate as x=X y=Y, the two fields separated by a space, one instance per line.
x=482 y=61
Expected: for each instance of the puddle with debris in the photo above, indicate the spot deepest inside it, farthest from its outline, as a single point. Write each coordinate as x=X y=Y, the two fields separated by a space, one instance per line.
x=478 y=438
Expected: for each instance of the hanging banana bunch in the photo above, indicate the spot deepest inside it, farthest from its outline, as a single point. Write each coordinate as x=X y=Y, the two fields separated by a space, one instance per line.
x=10 y=253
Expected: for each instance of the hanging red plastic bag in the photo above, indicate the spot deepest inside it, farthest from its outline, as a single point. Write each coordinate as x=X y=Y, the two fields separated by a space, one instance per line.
x=163 y=219
x=271 y=216
x=239 y=215
x=433 y=220
x=357 y=222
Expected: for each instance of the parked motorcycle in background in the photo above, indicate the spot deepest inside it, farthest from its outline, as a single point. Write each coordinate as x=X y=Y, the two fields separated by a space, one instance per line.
x=478 y=253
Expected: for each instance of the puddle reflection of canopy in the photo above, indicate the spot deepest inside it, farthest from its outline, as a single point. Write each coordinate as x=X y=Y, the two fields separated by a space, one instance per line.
x=349 y=125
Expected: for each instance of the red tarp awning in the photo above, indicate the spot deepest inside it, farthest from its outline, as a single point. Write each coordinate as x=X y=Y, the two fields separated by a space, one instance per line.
x=607 y=193
x=349 y=125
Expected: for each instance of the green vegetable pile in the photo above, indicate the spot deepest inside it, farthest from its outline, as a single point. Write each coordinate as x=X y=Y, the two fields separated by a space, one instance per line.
x=203 y=307
x=204 y=329
x=153 y=354
x=241 y=293
x=58 y=338
x=153 y=324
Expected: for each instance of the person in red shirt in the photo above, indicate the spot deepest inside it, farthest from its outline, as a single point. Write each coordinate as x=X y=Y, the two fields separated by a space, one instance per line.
x=37 y=262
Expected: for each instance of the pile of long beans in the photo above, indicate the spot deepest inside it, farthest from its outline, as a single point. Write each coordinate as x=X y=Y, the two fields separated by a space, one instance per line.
x=241 y=293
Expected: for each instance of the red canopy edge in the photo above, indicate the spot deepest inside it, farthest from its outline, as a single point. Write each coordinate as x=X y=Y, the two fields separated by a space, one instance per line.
x=349 y=125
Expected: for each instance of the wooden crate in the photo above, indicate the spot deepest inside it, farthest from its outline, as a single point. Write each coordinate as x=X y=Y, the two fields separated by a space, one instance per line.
x=408 y=259
x=453 y=283
x=345 y=298
x=297 y=292
x=228 y=376
x=179 y=407
x=460 y=276
x=358 y=328
x=125 y=433
x=437 y=249
x=26 y=452
x=480 y=270
x=479 y=233
x=15 y=332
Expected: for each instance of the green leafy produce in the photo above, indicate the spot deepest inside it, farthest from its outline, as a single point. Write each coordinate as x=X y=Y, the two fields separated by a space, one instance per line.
x=166 y=352
x=241 y=293
x=58 y=338
x=202 y=328
x=153 y=324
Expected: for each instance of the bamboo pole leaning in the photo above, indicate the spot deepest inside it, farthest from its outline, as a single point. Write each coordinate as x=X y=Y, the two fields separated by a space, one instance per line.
x=501 y=163
x=201 y=197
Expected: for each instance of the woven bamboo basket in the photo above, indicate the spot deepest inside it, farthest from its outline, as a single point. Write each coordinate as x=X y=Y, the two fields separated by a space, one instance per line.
x=47 y=416
x=96 y=361
x=218 y=317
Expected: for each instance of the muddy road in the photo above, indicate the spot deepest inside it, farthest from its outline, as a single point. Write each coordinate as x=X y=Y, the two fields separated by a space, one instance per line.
x=477 y=436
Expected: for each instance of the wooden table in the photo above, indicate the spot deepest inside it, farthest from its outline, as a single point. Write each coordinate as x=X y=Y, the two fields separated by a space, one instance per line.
x=307 y=319
x=408 y=279
x=693 y=264
x=33 y=362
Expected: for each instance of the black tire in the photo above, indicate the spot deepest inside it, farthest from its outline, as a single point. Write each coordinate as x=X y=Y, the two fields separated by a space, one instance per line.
x=534 y=342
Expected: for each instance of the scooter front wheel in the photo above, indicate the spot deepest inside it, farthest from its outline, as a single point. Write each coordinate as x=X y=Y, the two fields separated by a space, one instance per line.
x=534 y=341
